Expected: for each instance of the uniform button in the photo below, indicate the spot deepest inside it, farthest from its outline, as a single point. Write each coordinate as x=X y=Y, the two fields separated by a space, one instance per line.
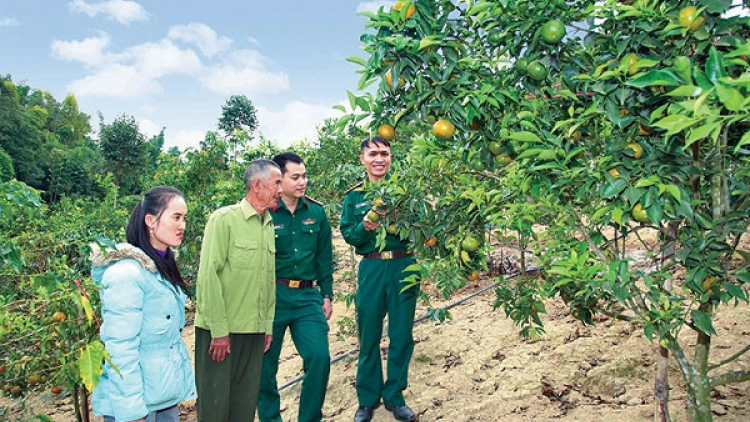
x=295 y=249
x=169 y=316
x=293 y=233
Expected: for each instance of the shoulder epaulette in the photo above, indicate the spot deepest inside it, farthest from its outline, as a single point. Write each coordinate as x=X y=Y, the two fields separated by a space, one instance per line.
x=314 y=201
x=358 y=185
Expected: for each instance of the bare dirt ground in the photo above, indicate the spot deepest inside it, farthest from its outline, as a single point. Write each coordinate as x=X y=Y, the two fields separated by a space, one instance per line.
x=477 y=368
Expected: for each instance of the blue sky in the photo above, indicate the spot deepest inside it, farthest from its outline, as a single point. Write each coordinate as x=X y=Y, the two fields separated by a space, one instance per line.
x=173 y=63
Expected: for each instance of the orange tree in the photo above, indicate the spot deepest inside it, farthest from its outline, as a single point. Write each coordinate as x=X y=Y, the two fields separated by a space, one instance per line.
x=48 y=308
x=635 y=119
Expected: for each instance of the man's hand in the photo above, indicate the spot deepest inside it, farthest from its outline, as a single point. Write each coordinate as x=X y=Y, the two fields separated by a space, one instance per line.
x=327 y=308
x=219 y=348
x=369 y=224
x=269 y=340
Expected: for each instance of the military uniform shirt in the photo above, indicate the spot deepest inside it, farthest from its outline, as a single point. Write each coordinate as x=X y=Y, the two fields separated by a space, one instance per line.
x=304 y=249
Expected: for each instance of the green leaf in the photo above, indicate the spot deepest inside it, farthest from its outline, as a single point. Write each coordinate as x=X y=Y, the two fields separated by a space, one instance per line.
x=711 y=130
x=685 y=91
x=675 y=123
x=655 y=78
x=352 y=99
x=715 y=66
x=735 y=291
x=357 y=60
x=525 y=137
x=743 y=141
x=702 y=322
x=674 y=191
x=614 y=189
x=90 y=364
x=428 y=42
x=730 y=97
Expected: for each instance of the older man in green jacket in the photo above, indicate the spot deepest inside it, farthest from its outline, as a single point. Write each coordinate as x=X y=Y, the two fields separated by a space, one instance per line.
x=236 y=298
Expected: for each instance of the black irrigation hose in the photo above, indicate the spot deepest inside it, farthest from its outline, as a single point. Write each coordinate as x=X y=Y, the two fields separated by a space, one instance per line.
x=422 y=318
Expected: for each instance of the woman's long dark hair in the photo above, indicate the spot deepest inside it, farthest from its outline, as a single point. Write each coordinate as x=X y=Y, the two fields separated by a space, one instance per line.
x=155 y=202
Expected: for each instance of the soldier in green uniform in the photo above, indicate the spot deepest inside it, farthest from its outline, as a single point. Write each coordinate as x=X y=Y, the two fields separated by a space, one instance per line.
x=380 y=281
x=304 y=255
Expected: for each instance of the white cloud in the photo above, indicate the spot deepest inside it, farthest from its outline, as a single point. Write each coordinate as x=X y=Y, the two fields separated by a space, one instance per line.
x=295 y=122
x=116 y=81
x=9 y=22
x=163 y=58
x=245 y=72
x=141 y=69
x=202 y=36
x=90 y=51
x=184 y=138
x=123 y=11
x=373 y=6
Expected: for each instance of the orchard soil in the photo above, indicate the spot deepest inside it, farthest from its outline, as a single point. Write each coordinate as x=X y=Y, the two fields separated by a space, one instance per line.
x=475 y=367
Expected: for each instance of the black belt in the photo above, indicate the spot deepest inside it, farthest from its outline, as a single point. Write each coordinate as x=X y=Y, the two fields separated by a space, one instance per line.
x=296 y=284
x=387 y=255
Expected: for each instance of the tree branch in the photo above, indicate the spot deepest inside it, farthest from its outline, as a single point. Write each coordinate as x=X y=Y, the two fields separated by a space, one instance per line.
x=730 y=359
x=730 y=378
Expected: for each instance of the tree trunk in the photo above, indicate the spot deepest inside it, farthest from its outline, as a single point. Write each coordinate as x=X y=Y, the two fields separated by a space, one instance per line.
x=697 y=381
x=661 y=387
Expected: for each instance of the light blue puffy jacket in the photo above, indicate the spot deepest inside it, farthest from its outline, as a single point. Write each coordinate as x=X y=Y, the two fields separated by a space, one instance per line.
x=143 y=318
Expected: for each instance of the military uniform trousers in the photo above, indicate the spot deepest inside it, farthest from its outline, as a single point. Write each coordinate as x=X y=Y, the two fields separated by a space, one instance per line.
x=301 y=310
x=379 y=293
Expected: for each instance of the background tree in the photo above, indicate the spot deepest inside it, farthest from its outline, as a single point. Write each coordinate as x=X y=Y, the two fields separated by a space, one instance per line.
x=122 y=147
x=238 y=121
x=19 y=137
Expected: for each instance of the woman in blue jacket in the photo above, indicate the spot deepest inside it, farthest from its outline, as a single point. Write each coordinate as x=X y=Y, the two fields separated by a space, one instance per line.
x=143 y=311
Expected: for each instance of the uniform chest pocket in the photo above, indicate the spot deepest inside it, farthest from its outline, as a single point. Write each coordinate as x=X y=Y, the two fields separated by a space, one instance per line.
x=242 y=252
x=283 y=240
x=309 y=237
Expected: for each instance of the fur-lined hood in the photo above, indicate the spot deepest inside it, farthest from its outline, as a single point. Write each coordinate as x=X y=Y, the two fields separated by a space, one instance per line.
x=100 y=258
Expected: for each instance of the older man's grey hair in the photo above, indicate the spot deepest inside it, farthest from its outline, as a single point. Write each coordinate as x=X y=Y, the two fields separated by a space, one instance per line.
x=258 y=169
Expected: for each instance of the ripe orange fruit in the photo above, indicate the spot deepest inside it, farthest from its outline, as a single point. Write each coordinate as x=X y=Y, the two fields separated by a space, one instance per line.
x=614 y=173
x=430 y=242
x=56 y=390
x=58 y=316
x=387 y=132
x=409 y=12
x=389 y=79
x=632 y=59
x=373 y=216
x=378 y=203
x=643 y=130
x=636 y=148
x=709 y=282
x=15 y=390
x=640 y=214
x=474 y=276
x=689 y=18
x=469 y=244
x=392 y=229
x=444 y=129
x=2 y=369
x=537 y=71
x=553 y=31
x=503 y=159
